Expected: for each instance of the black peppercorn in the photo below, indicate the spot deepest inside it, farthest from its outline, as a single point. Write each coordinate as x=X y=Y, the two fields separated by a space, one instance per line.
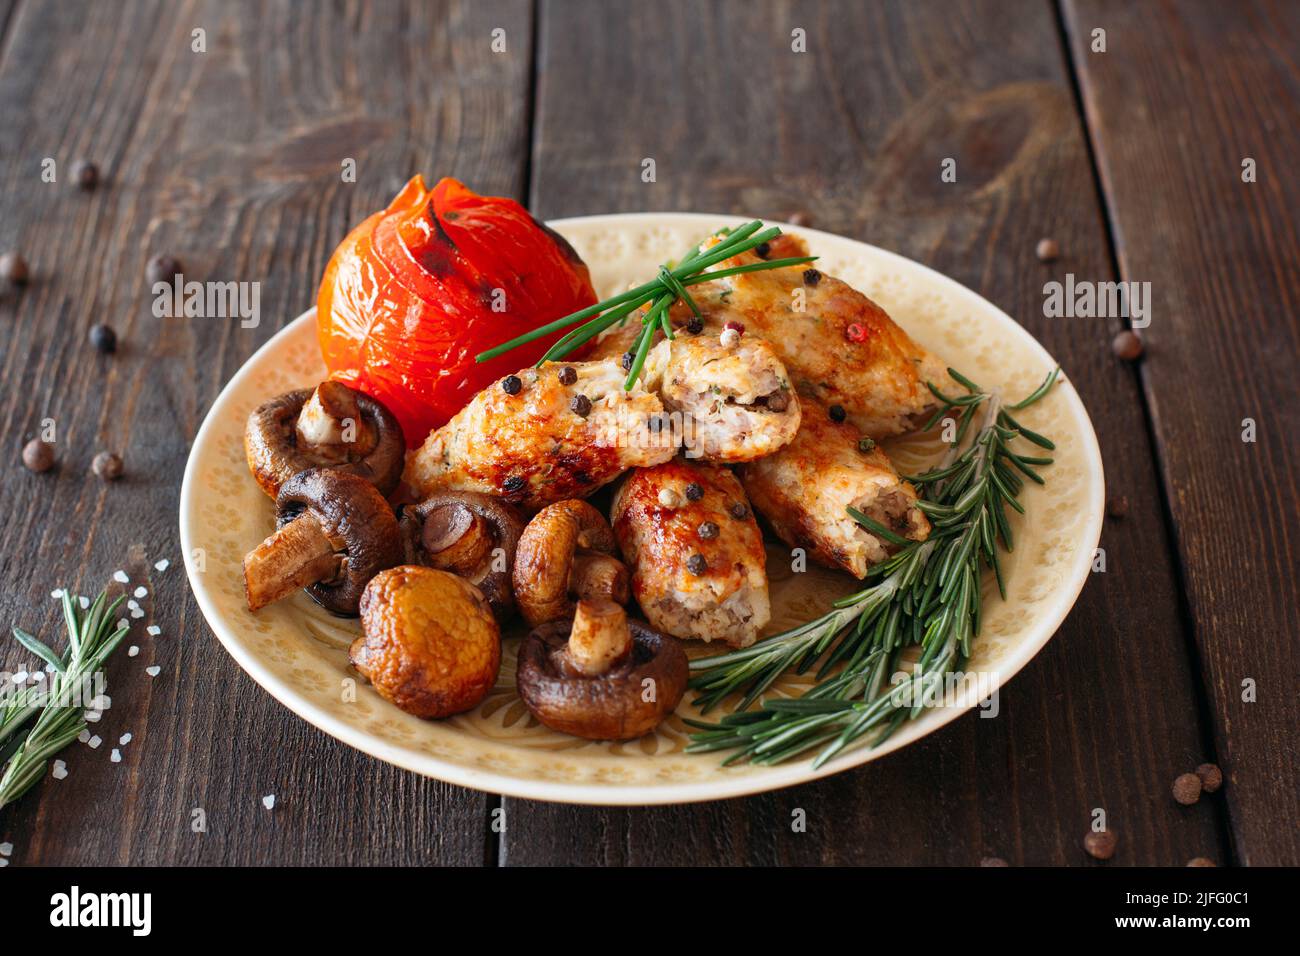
x=694 y=492
x=811 y=277
x=580 y=406
x=627 y=361
x=568 y=375
x=103 y=338
x=514 y=483
x=708 y=530
x=696 y=564
x=739 y=511
x=511 y=384
x=762 y=249
x=837 y=413
x=695 y=326
x=778 y=402
x=162 y=268
x=85 y=174
x=866 y=444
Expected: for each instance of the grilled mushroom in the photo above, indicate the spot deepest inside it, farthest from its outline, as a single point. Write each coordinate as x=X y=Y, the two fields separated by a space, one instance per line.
x=430 y=643
x=565 y=552
x=334 y=533
x=601 y=677
x=469 y=534
x=331 y=426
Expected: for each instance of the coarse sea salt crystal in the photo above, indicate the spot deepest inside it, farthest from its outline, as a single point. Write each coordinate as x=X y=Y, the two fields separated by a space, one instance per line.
x=153 y=671
x=3 y=861
x=132 y=604
x=56 y=593
x=140 y=591
x=92 y=716
x=162 y=565
x=268 y=801
x=19 y=677
x=60 y=770
x=123 y=622
x=120 y=577
x=136 y=614
x=6 y=849
x=84 y=602
x=154 y=630
x=132 y=650
x=115 y=756
x=94 y=742
x=124 y=739
x=83 y=736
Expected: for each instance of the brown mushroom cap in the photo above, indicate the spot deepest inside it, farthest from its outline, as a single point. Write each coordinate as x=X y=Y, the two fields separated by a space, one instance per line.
x=567 y=549
x=430 y=644
x=607 y=706
x=461 y=532
x=351 y=510
x=276 y=452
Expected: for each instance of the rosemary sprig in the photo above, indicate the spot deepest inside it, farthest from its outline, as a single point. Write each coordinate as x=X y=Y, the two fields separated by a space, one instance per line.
x=926 y=595
x=659 y=293
x=60 y=717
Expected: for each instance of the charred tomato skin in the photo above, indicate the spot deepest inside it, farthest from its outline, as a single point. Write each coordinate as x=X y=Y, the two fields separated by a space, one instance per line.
x=416 y=291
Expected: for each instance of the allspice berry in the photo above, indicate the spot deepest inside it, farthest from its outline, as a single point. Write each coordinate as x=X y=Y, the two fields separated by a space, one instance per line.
x=162 y=268
x=1201 y=861
x=1127 y=346
x=1211 y=777
x=13 y=268
x=1047 y=250
x=85 y=174
x=38 y=455
x=1187 y=788
x=1100 y=845
x=107 y=466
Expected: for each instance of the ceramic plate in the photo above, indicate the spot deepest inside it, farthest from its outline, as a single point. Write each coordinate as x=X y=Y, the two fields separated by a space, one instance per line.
x=297 y=652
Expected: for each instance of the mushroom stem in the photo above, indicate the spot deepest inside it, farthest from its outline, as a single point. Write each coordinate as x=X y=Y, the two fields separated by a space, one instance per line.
x=456 y=539
x=330 y=421
x=299 y=554
x=600 y=638
x=598 y=577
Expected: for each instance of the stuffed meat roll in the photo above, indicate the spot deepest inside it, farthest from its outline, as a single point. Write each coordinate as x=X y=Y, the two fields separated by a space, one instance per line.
x=805 y=489
x=698 y=564
x=731 y=391
x=544 y=435
x=838 y=346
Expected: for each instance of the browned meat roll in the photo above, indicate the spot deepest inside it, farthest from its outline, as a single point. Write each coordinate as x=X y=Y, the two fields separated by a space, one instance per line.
x=544 y=435
x=696 y=554
x=805 y=489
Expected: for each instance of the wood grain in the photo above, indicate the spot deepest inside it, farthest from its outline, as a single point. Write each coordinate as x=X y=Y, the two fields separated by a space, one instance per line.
x=853 y=132
x=1183 y=94
x=229 y=159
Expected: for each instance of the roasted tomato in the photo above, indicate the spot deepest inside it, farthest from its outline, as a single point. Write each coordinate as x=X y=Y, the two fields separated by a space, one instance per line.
x=416 y=291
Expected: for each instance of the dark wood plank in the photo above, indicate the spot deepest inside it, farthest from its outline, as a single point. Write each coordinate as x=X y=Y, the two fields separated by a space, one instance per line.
x=229 y=159
x=854 y=132
x=1183 y=94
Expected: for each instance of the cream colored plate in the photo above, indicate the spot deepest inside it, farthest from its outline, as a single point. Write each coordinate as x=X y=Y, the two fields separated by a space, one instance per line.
x=297 y=652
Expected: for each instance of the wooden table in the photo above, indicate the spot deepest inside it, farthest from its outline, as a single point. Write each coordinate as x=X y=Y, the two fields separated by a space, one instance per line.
x=1183 y=651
